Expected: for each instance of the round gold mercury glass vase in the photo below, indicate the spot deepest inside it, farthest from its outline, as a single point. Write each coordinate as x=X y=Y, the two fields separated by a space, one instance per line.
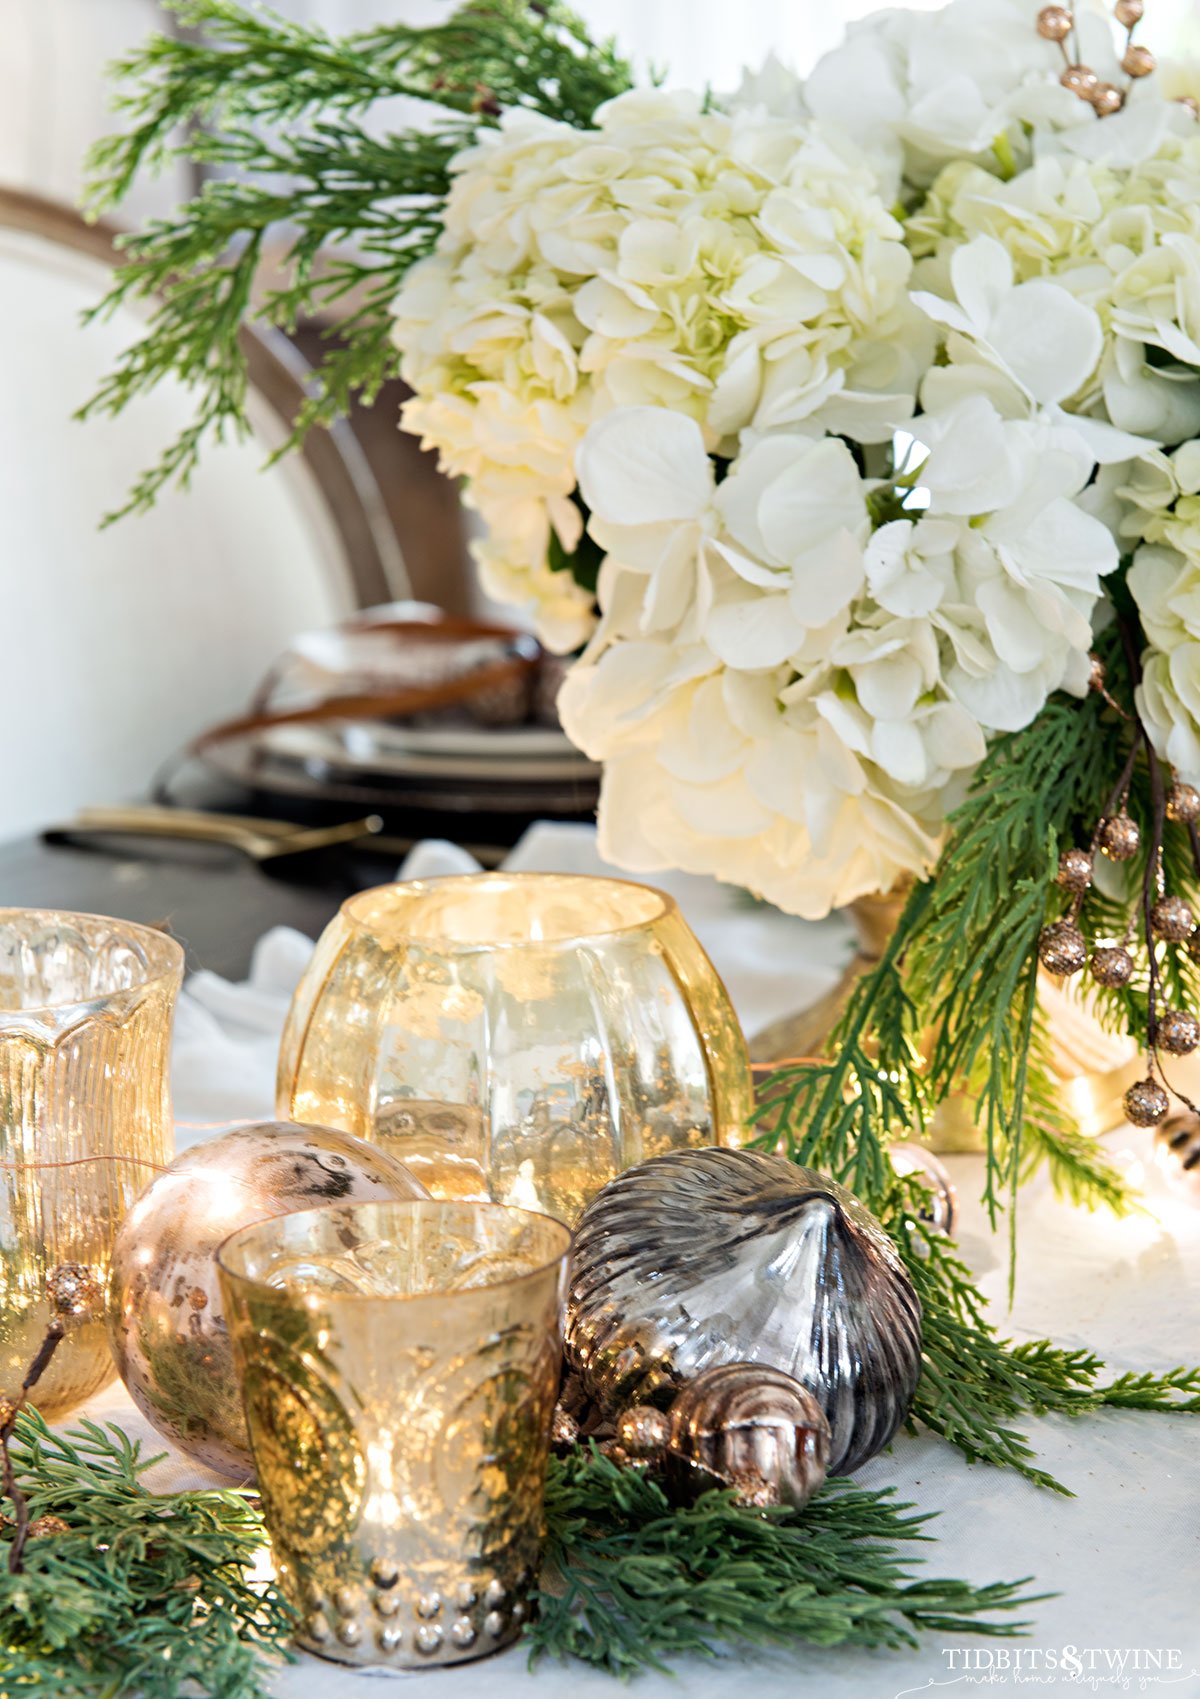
x=85 y=1119
x=399 y=1364
x=520 y=1037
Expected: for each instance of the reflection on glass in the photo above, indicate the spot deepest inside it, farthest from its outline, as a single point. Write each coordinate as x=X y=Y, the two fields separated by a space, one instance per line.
x=85 y=1118
x=399 y=1366
x=518 y=1037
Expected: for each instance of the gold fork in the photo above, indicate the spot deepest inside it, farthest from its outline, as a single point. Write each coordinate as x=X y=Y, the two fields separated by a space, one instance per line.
x=261 y=840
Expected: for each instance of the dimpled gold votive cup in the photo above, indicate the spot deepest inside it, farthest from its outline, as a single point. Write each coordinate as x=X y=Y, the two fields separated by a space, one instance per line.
x=520 y=1037
x=85 y=1119
x=399 y=1365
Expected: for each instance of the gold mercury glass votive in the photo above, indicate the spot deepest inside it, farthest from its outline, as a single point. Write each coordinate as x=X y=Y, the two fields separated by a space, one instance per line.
x=522 y=1037
x=85 y=1119
x=399 y=1366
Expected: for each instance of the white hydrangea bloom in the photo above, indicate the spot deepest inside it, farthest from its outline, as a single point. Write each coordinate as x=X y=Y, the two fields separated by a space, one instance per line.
x=972 y=81
x=734 y=269
x=788 y=697
x=1078 y=284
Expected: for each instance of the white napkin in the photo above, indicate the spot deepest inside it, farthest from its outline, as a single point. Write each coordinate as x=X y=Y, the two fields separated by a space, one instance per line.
x=227 y=1036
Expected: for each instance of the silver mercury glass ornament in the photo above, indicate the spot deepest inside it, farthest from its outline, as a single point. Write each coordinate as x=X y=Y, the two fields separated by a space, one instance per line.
x=706 y=1257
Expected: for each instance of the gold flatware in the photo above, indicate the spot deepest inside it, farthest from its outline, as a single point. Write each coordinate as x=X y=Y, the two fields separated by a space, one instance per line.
x=261 y=840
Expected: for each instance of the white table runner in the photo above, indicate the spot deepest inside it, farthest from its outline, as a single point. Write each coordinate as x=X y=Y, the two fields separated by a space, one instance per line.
x=1123 y=1556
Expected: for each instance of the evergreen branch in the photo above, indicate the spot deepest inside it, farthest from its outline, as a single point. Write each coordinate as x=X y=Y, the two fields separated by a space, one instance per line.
x=147 y=1593
x=343 y=212
x=636 y=1583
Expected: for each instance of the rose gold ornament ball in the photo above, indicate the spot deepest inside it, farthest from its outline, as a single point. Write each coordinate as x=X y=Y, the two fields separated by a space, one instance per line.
x=166 y=1320
x=1054 y=23
x=1080 y=79
x=1107 y=98
x=1112 y=965
x=1177 y=1031
x=1118 y=837
x=1138 y=60
x=1172 y=919
x=1062 y=948
x=1075 y=870
x=1146 y=1103
x=1129 y=12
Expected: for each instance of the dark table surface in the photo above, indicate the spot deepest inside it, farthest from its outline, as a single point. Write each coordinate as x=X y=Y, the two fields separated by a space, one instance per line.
x=216 y=901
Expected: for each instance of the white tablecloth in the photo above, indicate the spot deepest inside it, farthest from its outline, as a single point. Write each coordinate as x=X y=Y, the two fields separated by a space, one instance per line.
x=1123 y=1556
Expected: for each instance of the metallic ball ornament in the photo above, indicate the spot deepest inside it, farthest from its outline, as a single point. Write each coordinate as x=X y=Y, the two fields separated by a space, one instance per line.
x=1106 y=98
x=1171 y=918
x=166 y=1319
x=1177 y=1155
x=1189 y=104
x=1177 y=1032
x=1112 y=965
x=74 y=1290
x=1062 y=948
x=1146 y=1103
x=1183 y=803
x=643 y=1431
x=749 y=1427
x=1129 y=12
x=1096 y=673
x=1138 y=61
x=942 y=1211
x=1118 y=837
x=1080 y=79
x=1075 y=870
x=1054 y=23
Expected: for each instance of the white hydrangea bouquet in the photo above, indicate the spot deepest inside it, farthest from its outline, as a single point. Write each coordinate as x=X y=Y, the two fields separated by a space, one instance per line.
x=827 y=372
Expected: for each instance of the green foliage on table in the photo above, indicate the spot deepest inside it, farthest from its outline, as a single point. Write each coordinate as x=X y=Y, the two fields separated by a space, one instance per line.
x=147 y=1596
x=339 y=210
x=633 y=1583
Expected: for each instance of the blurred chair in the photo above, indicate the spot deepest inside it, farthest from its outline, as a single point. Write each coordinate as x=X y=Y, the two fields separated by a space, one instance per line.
x=120 y=644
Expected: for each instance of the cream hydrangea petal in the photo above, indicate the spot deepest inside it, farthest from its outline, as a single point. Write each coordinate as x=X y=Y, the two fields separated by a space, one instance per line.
x=753 y=631
x=819 y=495
x=982 y=275
x=642 y=465
x=1048 y=340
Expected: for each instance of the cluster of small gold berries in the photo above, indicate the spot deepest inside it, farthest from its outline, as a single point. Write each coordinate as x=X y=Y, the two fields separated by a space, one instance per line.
x=1057 y=24
x=1063 y=949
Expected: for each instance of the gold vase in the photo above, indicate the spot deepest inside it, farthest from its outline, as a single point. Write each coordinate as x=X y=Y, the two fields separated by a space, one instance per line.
x=85 y=1119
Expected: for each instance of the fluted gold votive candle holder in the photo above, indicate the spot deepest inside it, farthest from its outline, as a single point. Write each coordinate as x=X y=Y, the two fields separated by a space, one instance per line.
x=85 y=1119
x=399 y=1364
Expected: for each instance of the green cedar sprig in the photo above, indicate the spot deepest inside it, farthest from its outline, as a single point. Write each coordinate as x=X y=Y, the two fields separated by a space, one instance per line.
x=313 y=195
x=147 y=1595
x=634 y=1582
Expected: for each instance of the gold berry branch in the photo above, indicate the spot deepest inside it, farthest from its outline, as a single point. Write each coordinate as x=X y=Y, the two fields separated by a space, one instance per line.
x=1166 y=919
x=1057 y=24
